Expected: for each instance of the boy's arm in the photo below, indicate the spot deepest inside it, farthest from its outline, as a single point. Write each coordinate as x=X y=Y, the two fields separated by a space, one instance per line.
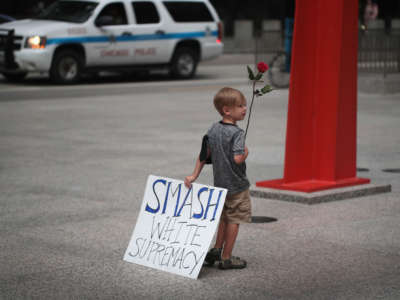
x=240 y=158
x=202 y=159
x=196 y=172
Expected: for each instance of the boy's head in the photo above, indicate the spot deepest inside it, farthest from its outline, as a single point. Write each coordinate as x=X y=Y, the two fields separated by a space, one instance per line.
x=228 y=97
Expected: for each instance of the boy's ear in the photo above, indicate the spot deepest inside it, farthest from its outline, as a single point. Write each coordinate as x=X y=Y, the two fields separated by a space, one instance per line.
x=226 y=110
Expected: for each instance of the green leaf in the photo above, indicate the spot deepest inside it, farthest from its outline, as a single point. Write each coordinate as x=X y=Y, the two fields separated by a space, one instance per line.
x=251 y=74
x=258 y=76
x=266 y=89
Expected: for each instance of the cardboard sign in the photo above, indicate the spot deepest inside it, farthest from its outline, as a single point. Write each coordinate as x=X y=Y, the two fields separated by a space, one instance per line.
x=175 y=226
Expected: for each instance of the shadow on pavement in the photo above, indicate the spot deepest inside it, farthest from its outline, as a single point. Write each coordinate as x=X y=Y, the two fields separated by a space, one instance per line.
x=105 y=78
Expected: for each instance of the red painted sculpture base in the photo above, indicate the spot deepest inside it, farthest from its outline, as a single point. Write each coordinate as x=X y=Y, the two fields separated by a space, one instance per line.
x=309 y=186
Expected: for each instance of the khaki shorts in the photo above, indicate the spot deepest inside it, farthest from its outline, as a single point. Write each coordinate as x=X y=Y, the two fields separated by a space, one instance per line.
x=237 y=208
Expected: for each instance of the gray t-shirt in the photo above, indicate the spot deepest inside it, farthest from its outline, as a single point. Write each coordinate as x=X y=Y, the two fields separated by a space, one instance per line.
x=226 y=140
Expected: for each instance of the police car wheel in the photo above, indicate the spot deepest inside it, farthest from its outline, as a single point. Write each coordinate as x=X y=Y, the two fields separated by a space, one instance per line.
x=14 y=77
x=66 y=67
x=184 y=63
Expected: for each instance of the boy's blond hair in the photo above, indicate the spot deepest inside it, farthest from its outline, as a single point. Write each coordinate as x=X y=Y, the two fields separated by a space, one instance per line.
x=227 y=97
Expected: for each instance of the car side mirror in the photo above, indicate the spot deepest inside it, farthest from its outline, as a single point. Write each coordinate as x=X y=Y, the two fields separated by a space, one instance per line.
x=104 y=21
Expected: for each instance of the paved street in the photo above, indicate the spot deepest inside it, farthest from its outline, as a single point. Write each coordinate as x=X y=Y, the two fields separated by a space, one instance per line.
x=73 y=167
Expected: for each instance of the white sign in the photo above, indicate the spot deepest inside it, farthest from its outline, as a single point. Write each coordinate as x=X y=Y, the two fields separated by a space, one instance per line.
x=175 y=226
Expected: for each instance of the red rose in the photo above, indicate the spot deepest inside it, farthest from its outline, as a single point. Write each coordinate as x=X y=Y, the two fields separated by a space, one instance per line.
x=262 y=67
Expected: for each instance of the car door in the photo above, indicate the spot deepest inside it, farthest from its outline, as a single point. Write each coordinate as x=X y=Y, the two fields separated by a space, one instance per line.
x=112 y=33
x=151 y=44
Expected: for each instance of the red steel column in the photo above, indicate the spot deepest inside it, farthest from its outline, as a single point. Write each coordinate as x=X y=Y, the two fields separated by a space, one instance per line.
x=321 y=137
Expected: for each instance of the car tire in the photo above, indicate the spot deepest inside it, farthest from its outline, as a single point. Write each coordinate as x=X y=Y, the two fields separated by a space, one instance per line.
x=184 y=63
x=15 y=77
x=66 y=67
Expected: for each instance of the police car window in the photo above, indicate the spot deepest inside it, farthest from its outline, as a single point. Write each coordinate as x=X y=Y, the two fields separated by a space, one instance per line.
x=188 y=11
x=69 y=11
x=116 y=11
x=145 y=12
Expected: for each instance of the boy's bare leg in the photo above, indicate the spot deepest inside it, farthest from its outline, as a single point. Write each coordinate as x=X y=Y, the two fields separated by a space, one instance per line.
x=231 y=232
x=219 y=243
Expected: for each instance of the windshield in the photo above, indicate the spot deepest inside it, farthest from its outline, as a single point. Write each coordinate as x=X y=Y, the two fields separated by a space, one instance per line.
x=69 y=11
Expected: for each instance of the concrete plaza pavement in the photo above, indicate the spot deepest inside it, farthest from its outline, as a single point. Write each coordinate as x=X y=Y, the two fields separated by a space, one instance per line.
x=73 y=166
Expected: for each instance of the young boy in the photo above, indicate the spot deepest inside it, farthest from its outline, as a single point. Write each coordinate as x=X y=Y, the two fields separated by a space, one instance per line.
x=224 y=146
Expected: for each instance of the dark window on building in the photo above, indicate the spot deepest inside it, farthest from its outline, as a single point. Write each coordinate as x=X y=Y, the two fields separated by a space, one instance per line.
x=188 y=11
x=145 y=13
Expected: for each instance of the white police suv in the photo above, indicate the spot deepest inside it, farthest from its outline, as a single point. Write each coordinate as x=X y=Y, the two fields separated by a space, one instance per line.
x=76 y=36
